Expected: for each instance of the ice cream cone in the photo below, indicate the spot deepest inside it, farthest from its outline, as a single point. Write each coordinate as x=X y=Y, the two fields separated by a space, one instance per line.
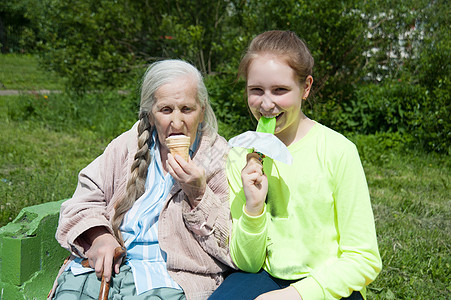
x=179 y=144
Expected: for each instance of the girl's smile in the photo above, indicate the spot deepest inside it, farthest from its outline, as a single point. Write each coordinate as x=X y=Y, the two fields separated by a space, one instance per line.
x=274 y=91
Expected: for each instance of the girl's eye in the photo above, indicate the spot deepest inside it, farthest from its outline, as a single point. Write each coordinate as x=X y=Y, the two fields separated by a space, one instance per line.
x=255 y=91
x=280 y=91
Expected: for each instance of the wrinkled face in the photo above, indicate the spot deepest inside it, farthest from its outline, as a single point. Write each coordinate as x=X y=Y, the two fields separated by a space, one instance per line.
x=274 y=91
x=176 y=110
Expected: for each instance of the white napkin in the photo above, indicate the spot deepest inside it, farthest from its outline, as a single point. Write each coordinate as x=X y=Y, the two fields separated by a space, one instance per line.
x=265 y=143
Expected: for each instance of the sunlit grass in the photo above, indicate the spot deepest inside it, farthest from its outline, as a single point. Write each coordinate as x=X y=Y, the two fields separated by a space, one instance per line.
x=38 y=164
x=22 y=72
x=411 y=202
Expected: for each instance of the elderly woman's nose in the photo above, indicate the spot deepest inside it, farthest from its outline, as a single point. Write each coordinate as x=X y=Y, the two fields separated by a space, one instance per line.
x=177 y=121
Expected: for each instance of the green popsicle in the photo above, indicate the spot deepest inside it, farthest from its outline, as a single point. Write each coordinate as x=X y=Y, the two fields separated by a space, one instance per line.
x=266 y=125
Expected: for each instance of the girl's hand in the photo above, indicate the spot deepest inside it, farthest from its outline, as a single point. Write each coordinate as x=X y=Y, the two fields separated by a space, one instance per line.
x=100 y=254
x=255 y=185
x=289 y=293
x=191 y=177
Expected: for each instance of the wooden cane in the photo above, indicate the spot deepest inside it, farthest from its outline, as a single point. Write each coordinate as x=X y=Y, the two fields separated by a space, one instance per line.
x=119 y=252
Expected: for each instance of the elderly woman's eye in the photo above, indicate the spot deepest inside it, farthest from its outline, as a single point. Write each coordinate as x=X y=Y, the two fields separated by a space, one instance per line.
x=186 y=109
x=166 y=109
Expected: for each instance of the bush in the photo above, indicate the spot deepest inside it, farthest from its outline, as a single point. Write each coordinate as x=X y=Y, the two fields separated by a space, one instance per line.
x=228 y=100
x=16 y=30
x=379 y=148
x=435 y=125
x=390 y=107
x=402 y=107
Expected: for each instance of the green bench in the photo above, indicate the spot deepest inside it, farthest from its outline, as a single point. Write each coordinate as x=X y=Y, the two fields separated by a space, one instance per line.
x=30 y=257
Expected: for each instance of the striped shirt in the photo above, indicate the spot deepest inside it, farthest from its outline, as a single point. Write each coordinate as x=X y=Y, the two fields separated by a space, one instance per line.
x=140 y=229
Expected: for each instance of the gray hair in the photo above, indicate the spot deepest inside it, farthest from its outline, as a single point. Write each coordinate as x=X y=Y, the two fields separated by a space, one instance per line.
x=165 y=71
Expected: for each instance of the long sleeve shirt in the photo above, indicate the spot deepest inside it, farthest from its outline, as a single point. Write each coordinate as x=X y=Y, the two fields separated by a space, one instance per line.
x=317 y=223
x=195 y=240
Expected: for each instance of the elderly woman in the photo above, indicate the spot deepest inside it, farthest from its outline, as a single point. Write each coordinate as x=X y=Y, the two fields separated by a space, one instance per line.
x=171 y=215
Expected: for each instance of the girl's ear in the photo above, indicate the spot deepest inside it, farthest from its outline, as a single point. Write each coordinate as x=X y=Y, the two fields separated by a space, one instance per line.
x=307 y=86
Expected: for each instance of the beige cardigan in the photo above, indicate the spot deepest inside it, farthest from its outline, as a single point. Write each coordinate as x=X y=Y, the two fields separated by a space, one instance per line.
x=196 y=241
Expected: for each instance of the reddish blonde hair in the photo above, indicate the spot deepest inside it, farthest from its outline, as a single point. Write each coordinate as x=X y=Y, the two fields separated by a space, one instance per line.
x=282 y=43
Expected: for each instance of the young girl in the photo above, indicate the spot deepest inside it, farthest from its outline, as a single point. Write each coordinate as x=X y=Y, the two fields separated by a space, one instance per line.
x=305 y=230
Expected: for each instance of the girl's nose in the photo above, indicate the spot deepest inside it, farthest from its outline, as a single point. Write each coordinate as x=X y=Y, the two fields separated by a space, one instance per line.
x=267 y=103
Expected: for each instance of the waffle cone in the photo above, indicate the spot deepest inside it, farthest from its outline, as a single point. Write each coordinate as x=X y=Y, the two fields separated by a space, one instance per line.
x=179 y=144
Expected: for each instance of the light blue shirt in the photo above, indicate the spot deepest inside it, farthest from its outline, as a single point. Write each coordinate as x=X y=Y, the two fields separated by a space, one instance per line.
x=140 y=229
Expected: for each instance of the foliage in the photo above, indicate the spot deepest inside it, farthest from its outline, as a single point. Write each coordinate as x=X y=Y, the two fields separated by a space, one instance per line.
x=395 y=107
x=408 y=36
x=431 y=68
x=101 y=43
x=405 y=84
x=380 y=148
x=98 y=43
x=13 y=26
x=433 y=63
x=200 y=32
x=94 y=43
x=229 y=104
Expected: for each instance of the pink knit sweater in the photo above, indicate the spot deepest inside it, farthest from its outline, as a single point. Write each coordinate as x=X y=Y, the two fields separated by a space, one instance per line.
x=196 y=241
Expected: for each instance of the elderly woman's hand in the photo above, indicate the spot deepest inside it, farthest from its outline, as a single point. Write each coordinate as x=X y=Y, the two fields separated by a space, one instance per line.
x=100 y=254
x=190 y=176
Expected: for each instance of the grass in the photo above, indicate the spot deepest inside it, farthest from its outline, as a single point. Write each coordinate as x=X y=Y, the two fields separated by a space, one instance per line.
x=38 y=164
x=46 y=141
x=411 y=203
x=22 y=72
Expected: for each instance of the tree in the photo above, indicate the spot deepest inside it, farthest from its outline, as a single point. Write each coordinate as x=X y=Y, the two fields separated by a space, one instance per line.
x=99 y=43
x=411 y=60
x=15 y=27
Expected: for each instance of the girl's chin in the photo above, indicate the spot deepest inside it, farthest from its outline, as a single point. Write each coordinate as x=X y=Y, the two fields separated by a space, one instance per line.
x=279 y=125
x=277 y=130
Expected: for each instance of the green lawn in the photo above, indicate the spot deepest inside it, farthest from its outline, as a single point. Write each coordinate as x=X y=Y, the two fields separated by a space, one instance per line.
x=46 y=141
x=38 y=164
x=22 y=72
x=411 y=201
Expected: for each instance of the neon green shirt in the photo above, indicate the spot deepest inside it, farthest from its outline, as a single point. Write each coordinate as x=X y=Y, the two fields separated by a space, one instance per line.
x=317 y=223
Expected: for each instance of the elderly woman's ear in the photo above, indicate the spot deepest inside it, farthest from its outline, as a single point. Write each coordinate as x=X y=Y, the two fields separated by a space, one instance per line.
x=203 y=116
x=150 y=118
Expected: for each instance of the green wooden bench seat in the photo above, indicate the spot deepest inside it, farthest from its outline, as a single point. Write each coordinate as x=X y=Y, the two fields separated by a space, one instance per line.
x=30 y=257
